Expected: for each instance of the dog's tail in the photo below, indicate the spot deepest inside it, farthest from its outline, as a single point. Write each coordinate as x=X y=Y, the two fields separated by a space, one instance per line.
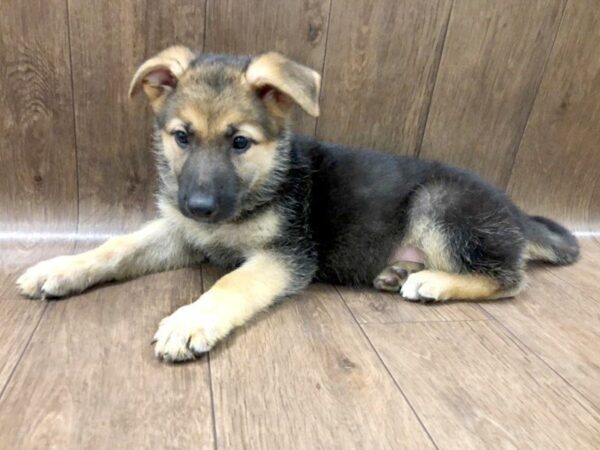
x=550 y=242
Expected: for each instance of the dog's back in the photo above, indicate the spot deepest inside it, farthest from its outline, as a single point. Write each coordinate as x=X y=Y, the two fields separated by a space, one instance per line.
x=366 y=205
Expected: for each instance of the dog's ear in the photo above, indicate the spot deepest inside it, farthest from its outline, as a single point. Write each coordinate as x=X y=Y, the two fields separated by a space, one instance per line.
x=279 y=81
x=159 y=75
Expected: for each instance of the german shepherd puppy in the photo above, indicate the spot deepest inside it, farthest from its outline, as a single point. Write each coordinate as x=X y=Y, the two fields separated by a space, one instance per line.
x=237 y=188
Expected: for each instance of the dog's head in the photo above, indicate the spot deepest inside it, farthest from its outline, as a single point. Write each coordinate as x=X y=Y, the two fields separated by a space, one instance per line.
x=221 y=120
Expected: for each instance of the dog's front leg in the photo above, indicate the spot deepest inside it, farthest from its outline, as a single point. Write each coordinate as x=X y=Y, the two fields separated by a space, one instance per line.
x=235 y=298
x=155 y=247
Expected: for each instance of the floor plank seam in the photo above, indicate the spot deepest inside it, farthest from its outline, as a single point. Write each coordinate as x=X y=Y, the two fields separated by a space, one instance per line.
x=401 y=322
x=212 y=402
x=25 y=347
x=560 y=278
x=525 y=348
x=410 y=405
x=210 y=378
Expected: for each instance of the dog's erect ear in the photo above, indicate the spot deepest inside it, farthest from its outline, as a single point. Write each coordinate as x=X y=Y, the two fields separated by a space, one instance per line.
x=160 y=74
x=279 y=81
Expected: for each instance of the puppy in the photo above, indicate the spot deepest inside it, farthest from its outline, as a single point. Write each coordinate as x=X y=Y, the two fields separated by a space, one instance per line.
x=280 y=210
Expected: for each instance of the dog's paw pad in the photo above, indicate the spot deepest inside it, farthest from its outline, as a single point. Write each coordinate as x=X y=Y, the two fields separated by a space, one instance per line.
x=410 y=289
x=422 y=287
x=393 y=276
x=387 y=282
x=55 y=277
x=186 y=334
x=30 y=284
x=430 y=291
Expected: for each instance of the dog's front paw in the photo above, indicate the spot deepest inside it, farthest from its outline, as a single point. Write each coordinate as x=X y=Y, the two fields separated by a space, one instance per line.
x=55 y=277
x=187 y=333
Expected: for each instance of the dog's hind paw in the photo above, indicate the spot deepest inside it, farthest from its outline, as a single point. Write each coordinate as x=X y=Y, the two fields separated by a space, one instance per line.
x=55 y=277
x=393 y=277
x=423 y=286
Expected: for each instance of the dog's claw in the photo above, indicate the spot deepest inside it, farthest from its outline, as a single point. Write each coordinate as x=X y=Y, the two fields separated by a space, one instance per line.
x=420 y=299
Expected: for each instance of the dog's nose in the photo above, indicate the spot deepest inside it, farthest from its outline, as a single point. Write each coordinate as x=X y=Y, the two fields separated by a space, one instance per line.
x=201 y=205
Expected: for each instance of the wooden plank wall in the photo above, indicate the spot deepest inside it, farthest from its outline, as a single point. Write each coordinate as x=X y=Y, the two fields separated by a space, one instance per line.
x=38 y=172
x=509 y=89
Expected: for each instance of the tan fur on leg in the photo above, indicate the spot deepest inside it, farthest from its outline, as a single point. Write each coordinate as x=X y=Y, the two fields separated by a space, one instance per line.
x=234 y=299
x=154 y=248
x=436 y=285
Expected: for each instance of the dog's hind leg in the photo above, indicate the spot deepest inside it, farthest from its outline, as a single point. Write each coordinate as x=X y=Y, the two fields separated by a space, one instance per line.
x=431 y=285
x=393 y=276
x=474 y=250
x=155 y=247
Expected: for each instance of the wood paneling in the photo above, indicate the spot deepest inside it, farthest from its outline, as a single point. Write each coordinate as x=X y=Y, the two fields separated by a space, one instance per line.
x=379 y=72
x=317 y=371
x=584 y=274
x=19 y=316
x=38 y=185
x=296 y=29
x=559 y=322
x=89 y=378
x=380 y=60
x=108 y=42
x=492 y=64
x=557 y=166
x=23 y=317
x=303 y=376
x=473 y=387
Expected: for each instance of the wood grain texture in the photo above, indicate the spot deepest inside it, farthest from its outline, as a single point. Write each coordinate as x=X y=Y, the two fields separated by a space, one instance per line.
x=89 y=378
x=23 y=317
x=560 y=323
x=473 y=387
x=296 y=29
x=493 y=61
x=371 y=306
x=379 y=72
x=521 y=373
x=20 y=316
x=108 y=42
x=18 y=255
x=557 y=166
x=584 y=275
x=303 y=376
x=38 y=184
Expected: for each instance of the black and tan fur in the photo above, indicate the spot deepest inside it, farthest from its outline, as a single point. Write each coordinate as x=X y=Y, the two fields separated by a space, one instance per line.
x=287 y=210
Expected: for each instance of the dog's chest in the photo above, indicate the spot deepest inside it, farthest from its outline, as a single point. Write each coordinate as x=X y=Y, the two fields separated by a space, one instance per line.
x=231 y=239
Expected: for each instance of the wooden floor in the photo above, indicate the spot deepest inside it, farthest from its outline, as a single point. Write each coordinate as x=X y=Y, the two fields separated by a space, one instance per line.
x=335 y=368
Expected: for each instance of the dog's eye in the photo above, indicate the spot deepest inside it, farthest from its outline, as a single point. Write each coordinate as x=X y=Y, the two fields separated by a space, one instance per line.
x=241 y=144
x=182 y=138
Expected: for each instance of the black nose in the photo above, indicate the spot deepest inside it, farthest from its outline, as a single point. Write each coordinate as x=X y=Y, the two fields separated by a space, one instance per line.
x=201 y=205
